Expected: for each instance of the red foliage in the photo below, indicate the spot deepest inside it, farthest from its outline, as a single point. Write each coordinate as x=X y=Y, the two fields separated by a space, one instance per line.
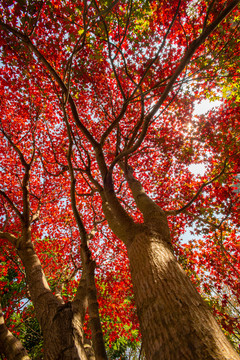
x=101 y=59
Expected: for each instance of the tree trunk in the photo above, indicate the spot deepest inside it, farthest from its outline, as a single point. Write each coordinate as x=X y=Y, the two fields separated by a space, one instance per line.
x=61 y=323
x=63 y=337
x=10 y=346
x=175 y=322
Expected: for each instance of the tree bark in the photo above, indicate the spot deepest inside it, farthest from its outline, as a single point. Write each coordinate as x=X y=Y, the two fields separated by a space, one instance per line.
x=175 y=322
x=10 y=346
x=63 y=338
x=61 y=323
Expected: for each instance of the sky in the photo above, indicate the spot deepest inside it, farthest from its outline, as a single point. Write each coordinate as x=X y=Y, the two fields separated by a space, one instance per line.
x=201 y=109
x=199 y=169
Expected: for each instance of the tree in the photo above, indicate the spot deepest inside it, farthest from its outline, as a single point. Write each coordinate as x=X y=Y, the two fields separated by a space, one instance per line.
x=97 y=104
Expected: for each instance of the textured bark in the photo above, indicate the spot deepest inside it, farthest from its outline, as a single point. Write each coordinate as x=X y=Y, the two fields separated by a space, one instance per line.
x=10 y=346
x=44 y=301
x=63 y=337
x=175 y=322
x=93 y=309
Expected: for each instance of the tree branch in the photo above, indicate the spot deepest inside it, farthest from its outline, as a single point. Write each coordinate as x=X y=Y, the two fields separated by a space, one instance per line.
x=153 y=215
x=182 y=209
x=12 y=205
x=6 y=235
x=183 y=63
x=88 y=263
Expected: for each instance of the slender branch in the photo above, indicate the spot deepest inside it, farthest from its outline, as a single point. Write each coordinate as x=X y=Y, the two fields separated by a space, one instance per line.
x=18 y=151
x=110 y=55
x=126 y=25
x=12 y=205
x=198 y=218
x=61 y=283
x=185 y=207
x=88 y=263
x=38 y=286
x=25 y=193
x=25 y=197
x=159 y=50
x=107 y=10
x=226 y=254
x=115 y=122
x=37 y=18
x=229 y=302
x=208 y=12
x=138 y=125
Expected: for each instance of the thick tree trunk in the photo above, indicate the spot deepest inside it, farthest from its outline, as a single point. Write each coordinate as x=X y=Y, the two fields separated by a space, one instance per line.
x=175 y=322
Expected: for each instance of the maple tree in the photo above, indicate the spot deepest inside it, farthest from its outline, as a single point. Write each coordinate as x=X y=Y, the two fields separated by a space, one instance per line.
x=97 y=102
